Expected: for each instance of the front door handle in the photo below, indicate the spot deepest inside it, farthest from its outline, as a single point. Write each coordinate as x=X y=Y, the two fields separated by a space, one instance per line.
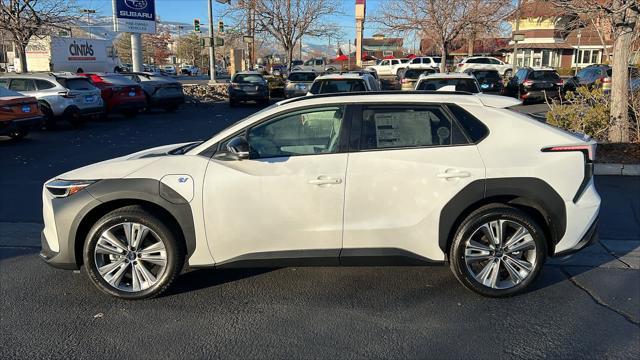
x=452 y=173
x=325 y=180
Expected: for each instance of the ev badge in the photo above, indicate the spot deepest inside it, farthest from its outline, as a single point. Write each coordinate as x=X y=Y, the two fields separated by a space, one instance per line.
x=183 y=179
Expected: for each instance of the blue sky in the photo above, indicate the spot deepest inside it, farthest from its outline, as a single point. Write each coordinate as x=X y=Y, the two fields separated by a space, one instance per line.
x=186 y=10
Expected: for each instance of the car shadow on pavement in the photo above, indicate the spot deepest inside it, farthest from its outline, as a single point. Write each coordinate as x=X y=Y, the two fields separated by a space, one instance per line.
x=196 y=279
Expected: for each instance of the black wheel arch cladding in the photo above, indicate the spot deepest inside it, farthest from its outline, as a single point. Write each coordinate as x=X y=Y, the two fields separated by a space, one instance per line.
x=537 y=193
x=154 y=192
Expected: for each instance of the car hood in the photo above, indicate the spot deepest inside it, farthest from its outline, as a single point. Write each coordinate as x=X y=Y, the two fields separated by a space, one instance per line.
x=121 y=166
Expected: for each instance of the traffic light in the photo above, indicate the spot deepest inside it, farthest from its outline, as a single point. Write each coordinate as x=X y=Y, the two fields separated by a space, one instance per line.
x=220 y=26
x=196 y=25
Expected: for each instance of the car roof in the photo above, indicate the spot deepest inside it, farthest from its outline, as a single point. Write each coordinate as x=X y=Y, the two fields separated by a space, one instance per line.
x=248 y=73
x=44 y=75
x=342 y=76
x=447 y=76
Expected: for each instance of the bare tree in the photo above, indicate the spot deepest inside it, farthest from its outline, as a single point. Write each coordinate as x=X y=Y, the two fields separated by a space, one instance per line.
x=623 y=15
x=289 y=20
x=24 y=19
x=444 y=20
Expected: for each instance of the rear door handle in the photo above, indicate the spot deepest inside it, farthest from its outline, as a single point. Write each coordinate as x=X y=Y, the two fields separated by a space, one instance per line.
x=325 y=180
x=451 y=174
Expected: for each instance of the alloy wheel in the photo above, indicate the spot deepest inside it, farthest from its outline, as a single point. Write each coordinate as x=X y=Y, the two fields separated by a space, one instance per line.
x=130 y=257
x=500 y=254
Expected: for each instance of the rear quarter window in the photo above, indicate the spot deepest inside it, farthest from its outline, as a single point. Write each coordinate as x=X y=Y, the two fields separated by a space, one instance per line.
x=77 y=84
x=474 y=128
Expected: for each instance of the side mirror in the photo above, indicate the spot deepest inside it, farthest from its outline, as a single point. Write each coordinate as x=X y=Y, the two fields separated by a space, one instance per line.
x=238 y=147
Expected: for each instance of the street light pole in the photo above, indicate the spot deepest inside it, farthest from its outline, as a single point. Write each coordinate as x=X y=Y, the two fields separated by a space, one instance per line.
x=515 y=43
x=212 y=51
x=88 y=12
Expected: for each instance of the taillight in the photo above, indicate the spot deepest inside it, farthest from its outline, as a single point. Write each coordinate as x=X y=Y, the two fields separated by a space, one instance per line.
x=527 y=83
x=560 y=82
x=460 y=65
x=235 y=85
x=589 y=150
x=404 y=81
x=67 y=95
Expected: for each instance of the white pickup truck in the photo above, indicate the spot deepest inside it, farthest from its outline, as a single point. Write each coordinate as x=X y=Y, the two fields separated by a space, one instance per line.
x=389 y=66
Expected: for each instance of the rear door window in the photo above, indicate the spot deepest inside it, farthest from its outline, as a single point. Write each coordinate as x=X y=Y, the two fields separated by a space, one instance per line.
x=22 y=85
x=407 y=126
x=44 y=84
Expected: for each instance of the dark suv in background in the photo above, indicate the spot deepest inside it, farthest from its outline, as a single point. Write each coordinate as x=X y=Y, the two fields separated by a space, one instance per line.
x=535 y=85
x=600 y=76
x=490 y=80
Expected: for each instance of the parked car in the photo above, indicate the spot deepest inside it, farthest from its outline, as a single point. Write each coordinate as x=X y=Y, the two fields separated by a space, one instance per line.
x=160 y=91
x=278 y=70
x=60 y=95
x=18 y=114
x=489 y=80
x=485 y=62
x=535 y=85
x=190 y=70
x=409 y=77
x=426 y=181
x=169 y=69
x=388 y=67
x=248 y=86
x=298 y=83
x=345 y=82
x=318 y=65
x=425 y=62
x=448 y=82
x=120 y=94
x=599 y=76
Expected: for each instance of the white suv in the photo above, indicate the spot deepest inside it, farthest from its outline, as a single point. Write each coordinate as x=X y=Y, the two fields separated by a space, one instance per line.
x=344 y=82
x=485 y=62
x=396 y=178
x=425 y=62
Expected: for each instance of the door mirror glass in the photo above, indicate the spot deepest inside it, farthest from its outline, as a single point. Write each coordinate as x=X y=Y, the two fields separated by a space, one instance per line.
x=239 y=147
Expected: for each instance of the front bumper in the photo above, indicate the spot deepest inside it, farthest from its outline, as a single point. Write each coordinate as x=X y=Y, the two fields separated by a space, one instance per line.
x=589 y=238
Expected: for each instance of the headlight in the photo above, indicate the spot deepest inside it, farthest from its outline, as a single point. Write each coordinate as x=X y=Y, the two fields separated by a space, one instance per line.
x=63 y=188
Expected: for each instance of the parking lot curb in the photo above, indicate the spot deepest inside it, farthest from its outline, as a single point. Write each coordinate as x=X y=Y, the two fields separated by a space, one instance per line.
x=617 y=169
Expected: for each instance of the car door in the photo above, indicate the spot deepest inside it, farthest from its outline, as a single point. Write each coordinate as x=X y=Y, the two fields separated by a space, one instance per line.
x=383 y=68
x=406 y=163
x=286 y=200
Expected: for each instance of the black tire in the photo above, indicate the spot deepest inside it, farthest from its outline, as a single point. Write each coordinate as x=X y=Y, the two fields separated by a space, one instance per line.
x=472 y=223
x=72 y=115
x=130 y=113
x=48 y=119
x=171 y=108
x=174 y=251
x=18 y=134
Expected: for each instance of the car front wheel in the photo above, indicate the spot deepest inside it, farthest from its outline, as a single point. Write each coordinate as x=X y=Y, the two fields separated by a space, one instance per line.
x=498 y=251
x=131 y=254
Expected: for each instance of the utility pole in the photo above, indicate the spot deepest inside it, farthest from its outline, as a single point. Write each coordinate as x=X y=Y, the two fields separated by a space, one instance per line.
x=515 y=43
x=578 y=58
x=88 y=12
x=212 y=51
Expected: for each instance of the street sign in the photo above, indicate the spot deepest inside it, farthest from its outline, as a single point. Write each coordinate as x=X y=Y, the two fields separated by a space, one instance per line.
x=247 y=39
x=134 y=16
x=518 y=37
x=219 y=41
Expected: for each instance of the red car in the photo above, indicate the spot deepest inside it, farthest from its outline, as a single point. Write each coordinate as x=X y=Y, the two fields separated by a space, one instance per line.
x=119 y=93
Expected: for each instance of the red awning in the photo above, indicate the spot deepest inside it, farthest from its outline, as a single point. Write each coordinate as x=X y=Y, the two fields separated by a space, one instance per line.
x=411 y=56
x=342 y=58
x=368 y=57
x=388 y=57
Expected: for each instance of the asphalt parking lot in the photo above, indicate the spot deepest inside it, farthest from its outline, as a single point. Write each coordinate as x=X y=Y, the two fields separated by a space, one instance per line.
x=587 y=306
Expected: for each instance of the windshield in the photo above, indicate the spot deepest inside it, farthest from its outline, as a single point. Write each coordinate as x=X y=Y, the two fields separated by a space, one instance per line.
x=247 y=78
x=302 y=76
x=76 y=84
x=337 y=86
x=468 y=85
x=415 y=73
x=544 y=75
x=118 y=80
x=486 y=75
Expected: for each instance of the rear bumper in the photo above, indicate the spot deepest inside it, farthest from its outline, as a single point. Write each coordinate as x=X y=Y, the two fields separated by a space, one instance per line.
x=589 y=238
x=129 y=105
x=25 y=124
x=539 y=95
x=167 y=101
x=91 y=111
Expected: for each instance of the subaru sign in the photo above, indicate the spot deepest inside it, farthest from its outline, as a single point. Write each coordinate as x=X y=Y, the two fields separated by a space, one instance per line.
x=134 y=16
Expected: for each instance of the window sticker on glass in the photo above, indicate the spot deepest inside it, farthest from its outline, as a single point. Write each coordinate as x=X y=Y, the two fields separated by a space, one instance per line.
x=398 y=129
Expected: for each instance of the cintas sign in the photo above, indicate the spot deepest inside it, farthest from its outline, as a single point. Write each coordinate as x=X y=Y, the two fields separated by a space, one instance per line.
x=134 y=16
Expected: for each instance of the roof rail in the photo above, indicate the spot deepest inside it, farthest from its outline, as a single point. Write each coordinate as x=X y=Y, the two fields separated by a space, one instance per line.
x=369 y=93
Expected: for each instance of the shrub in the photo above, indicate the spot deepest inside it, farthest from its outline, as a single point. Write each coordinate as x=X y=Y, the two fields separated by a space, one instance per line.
x=585 y=111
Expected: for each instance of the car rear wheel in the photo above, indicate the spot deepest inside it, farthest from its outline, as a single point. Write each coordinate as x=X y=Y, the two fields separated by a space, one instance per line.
x=48 y=119
x=130 y=253
x=74 y=118
x=498 y=251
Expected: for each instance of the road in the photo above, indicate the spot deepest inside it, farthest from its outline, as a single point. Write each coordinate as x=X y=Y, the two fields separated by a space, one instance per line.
x=587 y=306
